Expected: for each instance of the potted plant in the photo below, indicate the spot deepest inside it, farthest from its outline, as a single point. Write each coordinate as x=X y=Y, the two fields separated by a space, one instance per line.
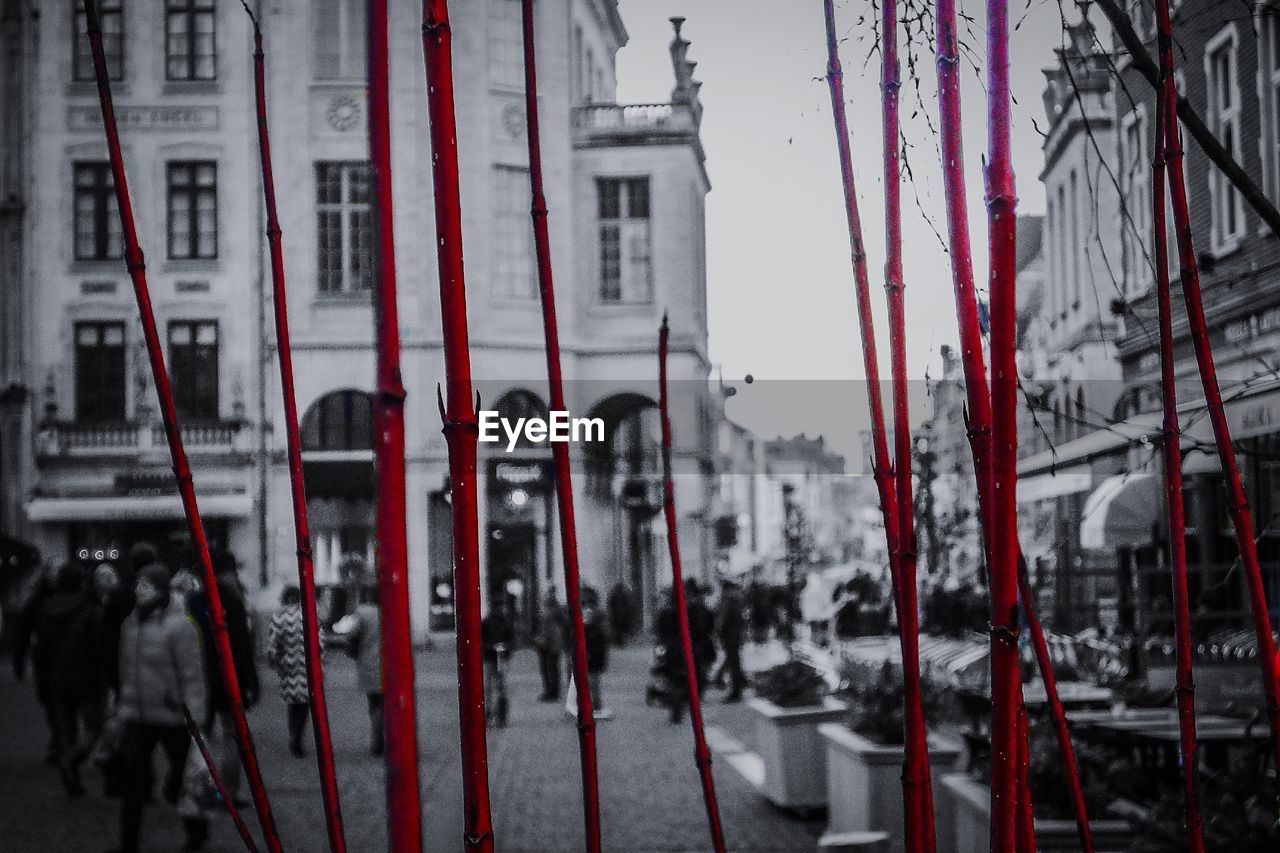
x=865 y=752
x=791 y=701
x=1103 y=774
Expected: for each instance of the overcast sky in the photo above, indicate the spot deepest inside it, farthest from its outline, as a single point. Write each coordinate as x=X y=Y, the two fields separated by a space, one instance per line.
x=780 y=294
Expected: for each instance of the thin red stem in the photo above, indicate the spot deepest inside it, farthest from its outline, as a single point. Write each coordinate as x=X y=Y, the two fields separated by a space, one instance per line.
x=1003 y=549
x=560 y=450
x=702 y=755
x=404 y=816
x=976 y=387
x=181 y=468
x=302 y=534
x=460 y=426
x=212 y=766
x=917 y=785
x=1241 y=518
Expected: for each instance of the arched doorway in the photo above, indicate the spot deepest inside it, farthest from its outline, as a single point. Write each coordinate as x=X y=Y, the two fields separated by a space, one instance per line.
x=337 y=467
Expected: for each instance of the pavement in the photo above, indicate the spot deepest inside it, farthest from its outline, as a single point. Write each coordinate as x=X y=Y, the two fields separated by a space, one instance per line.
x=650 y=796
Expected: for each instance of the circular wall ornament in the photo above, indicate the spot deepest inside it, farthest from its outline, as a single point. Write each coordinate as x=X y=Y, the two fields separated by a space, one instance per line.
x=343 y=113
x=513 y=120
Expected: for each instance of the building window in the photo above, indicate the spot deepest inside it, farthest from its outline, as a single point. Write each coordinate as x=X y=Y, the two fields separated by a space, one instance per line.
x=193 y=368
x=344 y=227
x=100 y=372
x=506 y=45
x=98 y=235
x=111 y=20
x=626 y=250
x=1135 y=177
x=340 y=40
x=1271 y=97
x=1227 y=221
x=340 y=420
x=576 y=92
x=190 y=46
x=193 y=210
x=513 y=234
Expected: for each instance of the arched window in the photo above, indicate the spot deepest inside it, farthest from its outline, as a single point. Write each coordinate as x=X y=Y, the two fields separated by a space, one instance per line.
x=517 y=404
x=340 y=420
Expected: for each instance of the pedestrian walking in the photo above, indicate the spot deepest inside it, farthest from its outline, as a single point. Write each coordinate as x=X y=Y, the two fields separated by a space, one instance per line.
x=760 y=609
x=67 y=648
x=731 y=625
x=671 y=688
x=496 y=638
x=702 y=631
x=198 y=800
x=361 y=632
x=550 y=641
x=23 y=642
x=116 y=600
x=622 y=613
x=161 y=670
x=287 y=655
x=595 y=624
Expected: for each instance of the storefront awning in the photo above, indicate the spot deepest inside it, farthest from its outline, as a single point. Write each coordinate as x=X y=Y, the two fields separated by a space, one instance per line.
x=1122 y=512
x=1078 y=478
x=135 y=508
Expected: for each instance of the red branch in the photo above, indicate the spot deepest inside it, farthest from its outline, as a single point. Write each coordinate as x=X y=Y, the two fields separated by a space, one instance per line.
x=977 y=390
x=916 y=783
x=399 y=705
x=181 y=468
x=302 y=534
x=212 y=767
x=560 y=451
x=460 y=426
x=702 y=755
x=1241 y=517
x=1171 y=450
x=1003 y=547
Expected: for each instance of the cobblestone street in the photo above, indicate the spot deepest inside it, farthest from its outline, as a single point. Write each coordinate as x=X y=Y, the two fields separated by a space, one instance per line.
x=649 y=791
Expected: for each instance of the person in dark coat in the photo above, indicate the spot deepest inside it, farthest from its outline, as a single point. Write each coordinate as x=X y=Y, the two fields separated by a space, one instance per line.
x=702 y=631
x=760 y=609
x=550 y=641
x=116 y=601
x=497 y=636
x=23 y=640
x=731 y=627
x=670 y=664
x=67 y=636
x=596 y=630
x=622 y=613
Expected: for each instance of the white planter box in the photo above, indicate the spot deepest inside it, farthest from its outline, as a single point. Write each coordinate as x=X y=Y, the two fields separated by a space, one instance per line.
x=864 y=783
x=793 y=754
x=970 y=806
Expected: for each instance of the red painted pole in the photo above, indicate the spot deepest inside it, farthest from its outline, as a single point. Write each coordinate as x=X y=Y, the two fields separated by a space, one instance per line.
x=1171 y=451
x=702 y=755
x=1241 y=517
x=400 y=719
x=975 y=372
x=1003 y=550
x=560 y=451
x=302 y=534
x=460 y=426
x=212 y=766
x=181 y=468
x=917 y=787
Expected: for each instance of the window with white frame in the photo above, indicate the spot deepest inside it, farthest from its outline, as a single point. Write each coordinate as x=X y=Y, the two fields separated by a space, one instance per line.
x=344 y=228
x=626 y=243
x=1269 y=76
x=340 y=50
x=506 y=44
x=1135 y=179
x=513 y=276
x=1222 y=81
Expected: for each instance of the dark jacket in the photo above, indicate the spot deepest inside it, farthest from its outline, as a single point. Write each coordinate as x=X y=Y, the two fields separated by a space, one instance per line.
x=495 y=630
x=595 y=628
x=67 y=655
x=731 y=625
x=237 y=620
x=115 y=610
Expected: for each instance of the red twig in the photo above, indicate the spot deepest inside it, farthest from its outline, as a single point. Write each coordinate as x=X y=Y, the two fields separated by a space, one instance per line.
x=917 y=786
x=460 y=427
x=1171 y=449
x=560 y=451
x=212 y=767
x=302 y=534
x=1003 y=548
x=1241 y=518
x=181 y=468
x=399 y=702
x=702 y=755
x=975 y=372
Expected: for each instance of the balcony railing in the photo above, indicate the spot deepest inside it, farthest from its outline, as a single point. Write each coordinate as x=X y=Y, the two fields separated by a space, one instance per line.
x=621 y=121
x=136 y=439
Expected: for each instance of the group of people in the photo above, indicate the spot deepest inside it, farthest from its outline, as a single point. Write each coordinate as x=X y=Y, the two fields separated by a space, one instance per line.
x=123 y=660
x=726 y=626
